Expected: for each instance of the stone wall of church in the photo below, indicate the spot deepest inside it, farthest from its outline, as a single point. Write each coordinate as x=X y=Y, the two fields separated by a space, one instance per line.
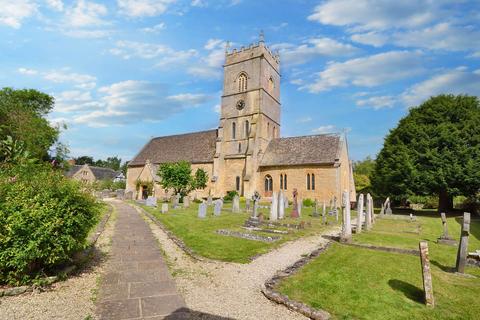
x=325 y=181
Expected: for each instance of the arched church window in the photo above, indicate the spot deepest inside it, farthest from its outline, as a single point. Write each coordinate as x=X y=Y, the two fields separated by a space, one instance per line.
x=308 y=181
x=268 y=129
x=268 y=183
x=237 y=184
x=247 y=128
x=284 y=182
x=313 y=181
x=274 y=132
x=281 y=181
x=234 y=130
x=242 y=82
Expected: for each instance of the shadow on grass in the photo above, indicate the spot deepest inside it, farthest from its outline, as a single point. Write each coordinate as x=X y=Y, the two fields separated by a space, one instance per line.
x=410 y=291
x=442 y=267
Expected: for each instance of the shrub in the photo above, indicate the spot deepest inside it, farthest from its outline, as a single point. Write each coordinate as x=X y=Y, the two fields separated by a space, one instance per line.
x=308 y=202
x=230 y=195
x=45 y=218
x=428 y=202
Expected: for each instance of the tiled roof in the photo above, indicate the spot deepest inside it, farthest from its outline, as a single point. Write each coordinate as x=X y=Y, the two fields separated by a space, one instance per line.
x=196 y=147
x=99 y=172
x=316 y=149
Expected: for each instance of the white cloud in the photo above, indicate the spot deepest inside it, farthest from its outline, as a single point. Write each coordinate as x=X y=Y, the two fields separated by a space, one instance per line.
x=294 y=55
x=198 y=3
x=217 y=108
x=368 y=71
x=442 y=36
x=458 y=81
x=79 y=33
x=210 y=65
x=55 y=4
x=304 y=120
x=372 y=38
x=12 y=13
x=377 y=102
x=376 y=14
x=64 y=76
x=27 y=71
x=127 y=101
x=156 y=28
x=143 y=8
x=85 y=14
x=75 y=100
x=325 y=129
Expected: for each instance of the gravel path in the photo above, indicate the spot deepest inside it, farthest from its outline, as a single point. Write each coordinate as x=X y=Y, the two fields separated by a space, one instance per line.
x=231 y=289
x=70 y=299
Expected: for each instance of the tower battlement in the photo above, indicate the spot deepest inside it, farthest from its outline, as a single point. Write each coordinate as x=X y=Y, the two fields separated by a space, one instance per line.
x=252 y=51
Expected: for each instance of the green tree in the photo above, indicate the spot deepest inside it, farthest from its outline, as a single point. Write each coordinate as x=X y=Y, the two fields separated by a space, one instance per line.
x=84 y=160
x=177 y=176
x=22 y=117
x=362 y=172
x=435 y=149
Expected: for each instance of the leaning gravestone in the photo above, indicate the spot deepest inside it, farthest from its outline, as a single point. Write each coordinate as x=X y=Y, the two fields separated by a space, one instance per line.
x=202 y=210
x=274 y=207
x=426 y=275
x=445 y=238
x=360 y=213
x=463 y=246
x=164 y=207
x=217 y=208
x=151 y=201
x=347 y=226
x=186 y=202
x=236 y=204
x=281 y=206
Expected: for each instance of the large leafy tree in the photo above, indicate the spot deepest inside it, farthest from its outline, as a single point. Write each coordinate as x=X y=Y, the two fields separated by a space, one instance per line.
x=435 y=149
x=177 y=176
x=22 y=117
x=362 y=171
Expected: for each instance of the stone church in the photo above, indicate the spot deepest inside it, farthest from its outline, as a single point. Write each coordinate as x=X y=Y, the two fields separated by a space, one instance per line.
x=247 y=153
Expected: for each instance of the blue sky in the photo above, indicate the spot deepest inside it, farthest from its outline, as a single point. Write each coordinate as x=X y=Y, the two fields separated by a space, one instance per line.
x=124 y=71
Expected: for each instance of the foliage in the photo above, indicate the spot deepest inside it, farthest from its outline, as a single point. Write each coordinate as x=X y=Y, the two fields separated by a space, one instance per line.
x=230 y=195
x=435 y=149
x=12 y=151
x=307 y=202
x=109 y=184
x=22 y=117
x=148 y=184
x=111 y=162
x=177 y=176
x=45 y=218
x=362 y=172
x=84 y=160
x=428 y=202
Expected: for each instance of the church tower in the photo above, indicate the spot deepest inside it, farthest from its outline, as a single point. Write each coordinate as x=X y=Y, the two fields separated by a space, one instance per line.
x=249 y=119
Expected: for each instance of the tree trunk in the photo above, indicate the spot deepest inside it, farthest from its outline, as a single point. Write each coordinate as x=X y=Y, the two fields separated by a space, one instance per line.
x=445 y=201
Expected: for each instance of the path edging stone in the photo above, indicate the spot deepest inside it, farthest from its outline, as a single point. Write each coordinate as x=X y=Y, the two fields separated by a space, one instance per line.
x=413 y=252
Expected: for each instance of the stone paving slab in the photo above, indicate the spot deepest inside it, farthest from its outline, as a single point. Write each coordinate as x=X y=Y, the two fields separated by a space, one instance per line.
x=137 y=283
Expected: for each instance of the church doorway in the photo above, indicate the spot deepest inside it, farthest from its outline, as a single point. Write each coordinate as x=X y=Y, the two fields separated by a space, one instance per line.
x=268 y=185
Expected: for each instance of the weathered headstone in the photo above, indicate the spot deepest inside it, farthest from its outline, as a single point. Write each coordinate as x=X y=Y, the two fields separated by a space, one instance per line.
x=300 y=207
x=346 y=225
x=281 y=205
x=217 y=208
x=445 y=238
x=209 y=200
x=186 y=202
x=372 y=207
x=315 y=209
x=120 y=194
x=274 y=207
x=382 y=210
x=388 y=209
x=286 y=202
x=294 y=213
x=426 y=274
x=202 y=210
x=368 y=217
x=255 y=198
x=176 y=201
x=129 y=195
x=236 y=204
x=463 y=245
x=151 y=201
x=360 y=213
x=324 y=213
x=164 y=208
x=247 y=205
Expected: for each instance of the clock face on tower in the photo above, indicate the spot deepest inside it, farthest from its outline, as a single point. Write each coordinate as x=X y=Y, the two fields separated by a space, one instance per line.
x=240 y=104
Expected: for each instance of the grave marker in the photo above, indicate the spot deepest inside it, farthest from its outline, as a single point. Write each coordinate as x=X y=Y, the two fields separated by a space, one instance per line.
x=346 y=223
x=368 y=218
x=281 y=205
x=445 y=238
x=236 y=204
x=360 y=213
x=295 y=213
x=202 y=210
x=324 y=213
x=463 y=246
x=217 y=208
x=151 y=201
x=164 y=208
x=186 y=202
x=274 y=207
x=426 y=275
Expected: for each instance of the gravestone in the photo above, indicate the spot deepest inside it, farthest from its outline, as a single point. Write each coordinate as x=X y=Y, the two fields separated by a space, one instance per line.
x=254 y=220
x=315 y=210
x=368 y=217
x=247 y=205
x=151 y=201
x=346 y=223
x=186 y=202
x=236 y=204
x=388 y=209
x=129 y=195
x=324 y=213
x=274 y=207
x=360 y=213
x=445 y=238
x=120 y=194
x=382 y=210
x=286 y=202
x=294 y=213
x=217 y=208
x=202 y=210
x=164 y=207
x=209 y=200
x=300 y=207
x=372 y=215
x=281 y=206
x=463 y=245
x=426 y=274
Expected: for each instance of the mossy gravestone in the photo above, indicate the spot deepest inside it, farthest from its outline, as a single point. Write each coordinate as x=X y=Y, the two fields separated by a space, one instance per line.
x=426 y=274
x=463 y=246
x=445 y=238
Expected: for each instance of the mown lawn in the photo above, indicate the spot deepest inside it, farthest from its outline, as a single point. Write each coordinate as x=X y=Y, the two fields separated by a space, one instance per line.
x=357 y=283
x=199 y=234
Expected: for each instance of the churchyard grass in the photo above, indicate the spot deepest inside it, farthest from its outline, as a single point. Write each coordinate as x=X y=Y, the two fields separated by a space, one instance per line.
x=199 y=234
x=359 y=283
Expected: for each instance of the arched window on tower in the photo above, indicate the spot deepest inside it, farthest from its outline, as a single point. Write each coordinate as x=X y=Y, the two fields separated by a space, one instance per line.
x=242 y=82
x=247 y=128
x=234 y=130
